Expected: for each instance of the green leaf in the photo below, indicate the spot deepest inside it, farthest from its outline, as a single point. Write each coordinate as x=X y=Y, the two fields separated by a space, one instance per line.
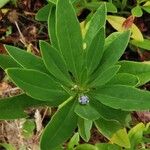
x=86 y=112
x=137 y=11
x=146 y=7
x=60 y=128
x=86 y=147
x=8 y=109
x=84 y=127
x=112 y=53
x=111 y=7
x=97 y=21
x=42 y=14
x=123 y=97
x=95 y=51
x=28 y=128
x=74 y=141
x=55 y=63
x=139 y=69
x=145 y=44
x=117 y=23
x=113 y=131
x=7 y=62
x=26 y=59
x=109 y=113
x=136 y=135
x=105 y=76
x=121 y=138
x=115 y=50
x=55 y=1
x=93 y=6
x=3 y=3
x=105 y=146
x=111 y=38
x=107 y=127
x=7 y=146
x=38 y=85
x=124 y=79
x=69 y=36
x=52 y=28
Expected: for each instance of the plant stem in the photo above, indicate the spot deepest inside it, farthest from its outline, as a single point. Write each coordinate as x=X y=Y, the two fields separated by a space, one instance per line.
x=64 y=103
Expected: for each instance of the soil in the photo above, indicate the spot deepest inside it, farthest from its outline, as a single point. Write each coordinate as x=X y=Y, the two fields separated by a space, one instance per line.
x=22 y=17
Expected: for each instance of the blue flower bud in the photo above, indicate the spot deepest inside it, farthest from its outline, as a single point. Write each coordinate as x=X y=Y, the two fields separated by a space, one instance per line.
x=83 y=99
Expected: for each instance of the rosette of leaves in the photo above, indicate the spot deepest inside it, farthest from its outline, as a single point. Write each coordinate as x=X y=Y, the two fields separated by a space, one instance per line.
x=79 y=75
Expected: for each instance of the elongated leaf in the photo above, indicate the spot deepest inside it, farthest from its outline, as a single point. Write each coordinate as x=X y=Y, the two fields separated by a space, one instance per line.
x=25 y=59
x=73 y=141
x=55 y=1
x=146 y=7
x=117 y=23
x=7 y=62
x=145 y=44
x=86 y=112
x=7 y=146
x=111 y=38
x=69 y=36
x=124 y=79
x=86 y=147
x=14 y=107
x=95 y=51
x=55 y=63
x=97 y=21
x=60 y=127
x=113 y=131
x=107 y=127
x=112 y=53
x=105 y=76
x=141 y=70
x=121 y=138
x=38 y=85
x=105 y=146
x=3 y=3
x=42 y=14
x=95 y=5
x=115 y=50
x=109 y=113
x=52 y=28
x=136 y=135
x=84 y=127
x=124 y=97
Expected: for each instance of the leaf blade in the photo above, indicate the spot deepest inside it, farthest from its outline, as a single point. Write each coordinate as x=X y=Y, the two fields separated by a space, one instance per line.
x=7 y=105
x=97 y=21
x=120 y=96
x=95 y=51
x=86 y=112
x=54 y=63
x=58 y=129
x=69 y=36
x=25 y=59
x=7 y=62
x=84 y=127
x=38 y=85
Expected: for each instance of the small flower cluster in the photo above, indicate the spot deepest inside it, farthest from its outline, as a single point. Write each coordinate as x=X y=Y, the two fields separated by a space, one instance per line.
x=83 y=99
